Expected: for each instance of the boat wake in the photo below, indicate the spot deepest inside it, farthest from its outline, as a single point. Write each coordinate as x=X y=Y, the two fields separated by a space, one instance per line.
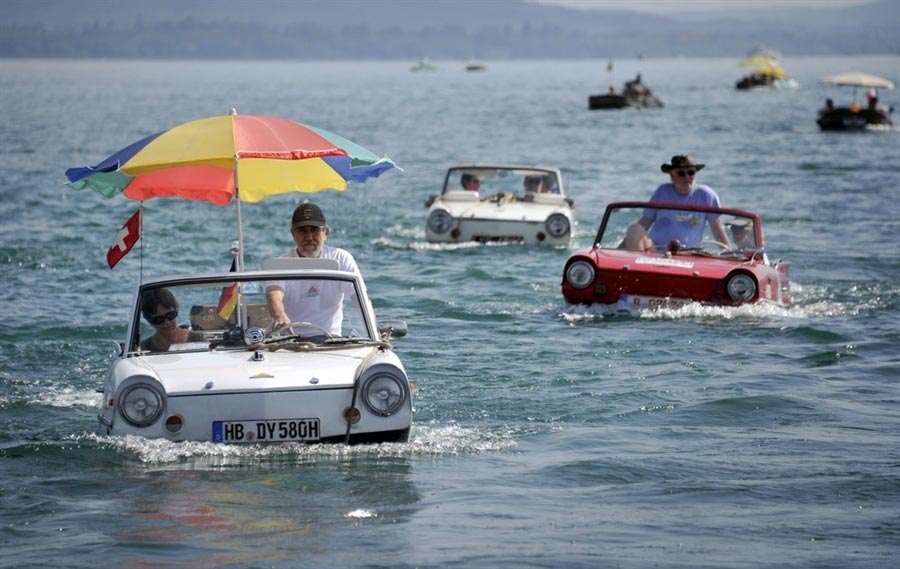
x=810 y=302
x=424 y=441
x=882 y=128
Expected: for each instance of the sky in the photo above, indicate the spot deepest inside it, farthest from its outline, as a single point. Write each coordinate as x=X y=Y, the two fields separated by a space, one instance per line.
x=671 y=6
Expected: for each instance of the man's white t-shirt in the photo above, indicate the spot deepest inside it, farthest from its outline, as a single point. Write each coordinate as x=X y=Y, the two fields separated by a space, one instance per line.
x=319 y=301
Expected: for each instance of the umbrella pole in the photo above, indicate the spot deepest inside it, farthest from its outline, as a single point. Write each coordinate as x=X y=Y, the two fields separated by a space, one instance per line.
x=240 y=228
x=240 y=231
x=239 y=256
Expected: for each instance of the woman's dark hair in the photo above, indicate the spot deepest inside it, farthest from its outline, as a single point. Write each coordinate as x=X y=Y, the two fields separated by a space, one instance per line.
x=156 y=297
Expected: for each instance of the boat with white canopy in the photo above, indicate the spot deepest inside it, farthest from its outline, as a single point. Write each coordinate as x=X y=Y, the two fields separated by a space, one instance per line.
x=855 y=116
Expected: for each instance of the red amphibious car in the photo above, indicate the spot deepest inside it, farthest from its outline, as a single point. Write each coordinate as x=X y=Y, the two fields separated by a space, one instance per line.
x=673 y=274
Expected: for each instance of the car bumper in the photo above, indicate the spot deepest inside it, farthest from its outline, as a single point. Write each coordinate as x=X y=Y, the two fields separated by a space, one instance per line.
x=197 y=414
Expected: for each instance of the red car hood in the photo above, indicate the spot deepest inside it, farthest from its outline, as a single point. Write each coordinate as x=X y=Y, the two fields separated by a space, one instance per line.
x=655 y=263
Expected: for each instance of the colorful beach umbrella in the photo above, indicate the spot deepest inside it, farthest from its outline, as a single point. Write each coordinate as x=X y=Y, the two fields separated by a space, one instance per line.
x=217 y=158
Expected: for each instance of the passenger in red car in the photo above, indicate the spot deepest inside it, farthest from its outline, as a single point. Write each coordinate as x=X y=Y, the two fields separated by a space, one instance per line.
x=742 y=232
x=658 y=228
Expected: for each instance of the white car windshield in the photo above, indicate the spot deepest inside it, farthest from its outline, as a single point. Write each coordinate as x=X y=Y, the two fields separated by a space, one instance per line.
x=487 y=182
x=198 y=314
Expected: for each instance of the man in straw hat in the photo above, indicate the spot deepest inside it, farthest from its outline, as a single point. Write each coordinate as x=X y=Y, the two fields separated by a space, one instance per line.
x=658 y=227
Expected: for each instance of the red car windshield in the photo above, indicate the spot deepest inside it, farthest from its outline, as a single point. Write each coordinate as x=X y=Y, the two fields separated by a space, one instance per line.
x=740 y=229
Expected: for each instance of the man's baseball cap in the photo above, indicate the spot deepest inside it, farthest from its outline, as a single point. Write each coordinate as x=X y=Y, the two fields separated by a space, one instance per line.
x=308 y=214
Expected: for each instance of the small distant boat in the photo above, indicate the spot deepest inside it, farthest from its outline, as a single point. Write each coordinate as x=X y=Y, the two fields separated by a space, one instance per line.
x=475 y=66
x=762 y=77
x=767 y=71
x=856 y=116
x=423 y=64
x=634 y=95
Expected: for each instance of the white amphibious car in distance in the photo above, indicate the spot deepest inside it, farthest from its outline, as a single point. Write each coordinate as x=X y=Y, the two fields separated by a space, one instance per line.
x=500 y=204
x=238 y=380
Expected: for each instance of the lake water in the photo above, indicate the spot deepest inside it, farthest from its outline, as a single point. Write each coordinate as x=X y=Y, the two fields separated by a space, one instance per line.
x=544 y=435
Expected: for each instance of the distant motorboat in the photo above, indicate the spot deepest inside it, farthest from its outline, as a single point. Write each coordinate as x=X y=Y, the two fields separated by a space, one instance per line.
x=855 y=116
x=475 y=66
x=755 y=81
x=634 y=95
x=767 y=71
x=423 y=64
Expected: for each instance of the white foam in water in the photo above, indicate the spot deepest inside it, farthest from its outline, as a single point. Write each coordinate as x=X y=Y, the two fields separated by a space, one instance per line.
x=67 y=397
x=425 y=246
x=361 y=514
x=424 y=441
x=809 y=302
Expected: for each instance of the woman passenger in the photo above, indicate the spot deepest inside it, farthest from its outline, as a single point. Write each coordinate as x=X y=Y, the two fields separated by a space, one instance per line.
x=160 y=309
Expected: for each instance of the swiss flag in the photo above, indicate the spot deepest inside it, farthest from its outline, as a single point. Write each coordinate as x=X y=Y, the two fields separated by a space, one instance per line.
x=125 y=240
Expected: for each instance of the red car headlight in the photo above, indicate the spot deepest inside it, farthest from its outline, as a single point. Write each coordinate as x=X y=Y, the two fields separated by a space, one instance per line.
x=741 y=287
x=580 y=274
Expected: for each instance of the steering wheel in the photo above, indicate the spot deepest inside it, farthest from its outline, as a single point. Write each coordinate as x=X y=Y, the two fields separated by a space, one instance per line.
x=724 y=247
x=300 y=324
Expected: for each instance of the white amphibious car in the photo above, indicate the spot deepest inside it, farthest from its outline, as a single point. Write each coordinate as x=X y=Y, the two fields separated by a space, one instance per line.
x=238 y=380
x=505 y=204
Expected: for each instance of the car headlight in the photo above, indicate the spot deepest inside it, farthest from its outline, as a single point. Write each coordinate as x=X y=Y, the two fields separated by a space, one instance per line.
x=384 y=393
x=580 y=274
x=141 y=404
x=557 y=225
x=741 y=287
x=440 y=221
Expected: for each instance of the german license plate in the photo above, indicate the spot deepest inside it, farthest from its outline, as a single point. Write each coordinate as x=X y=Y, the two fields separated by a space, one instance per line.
x=640 y=301
x=266 y=431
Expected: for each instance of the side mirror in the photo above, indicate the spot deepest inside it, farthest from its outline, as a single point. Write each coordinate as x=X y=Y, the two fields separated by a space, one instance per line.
x=392 y=329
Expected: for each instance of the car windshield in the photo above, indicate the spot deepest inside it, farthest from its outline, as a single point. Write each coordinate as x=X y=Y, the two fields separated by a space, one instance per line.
x=740 y=229
x=215 y=314
x=520 y=182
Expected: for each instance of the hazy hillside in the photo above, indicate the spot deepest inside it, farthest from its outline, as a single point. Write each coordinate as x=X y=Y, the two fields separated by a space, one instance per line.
x=368 y=29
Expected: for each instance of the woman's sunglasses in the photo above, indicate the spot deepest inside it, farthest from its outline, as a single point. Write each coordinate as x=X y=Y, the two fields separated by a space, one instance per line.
x=157 y=320
x=683 y=173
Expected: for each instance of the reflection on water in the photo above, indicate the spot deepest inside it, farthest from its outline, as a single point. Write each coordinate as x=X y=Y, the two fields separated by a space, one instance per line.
x=274 y=509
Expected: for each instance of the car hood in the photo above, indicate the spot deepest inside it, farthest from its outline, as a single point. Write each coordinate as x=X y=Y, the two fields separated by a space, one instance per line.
x=517 y=211
x=687 y=265
x=187 y=373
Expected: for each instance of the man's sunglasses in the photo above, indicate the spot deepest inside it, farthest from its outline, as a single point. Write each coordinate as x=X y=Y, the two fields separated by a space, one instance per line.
x=683 y=173
x=157 y=320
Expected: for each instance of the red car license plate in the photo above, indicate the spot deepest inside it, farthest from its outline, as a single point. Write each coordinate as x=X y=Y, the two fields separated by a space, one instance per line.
x=639 y=301
x=263 y=431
